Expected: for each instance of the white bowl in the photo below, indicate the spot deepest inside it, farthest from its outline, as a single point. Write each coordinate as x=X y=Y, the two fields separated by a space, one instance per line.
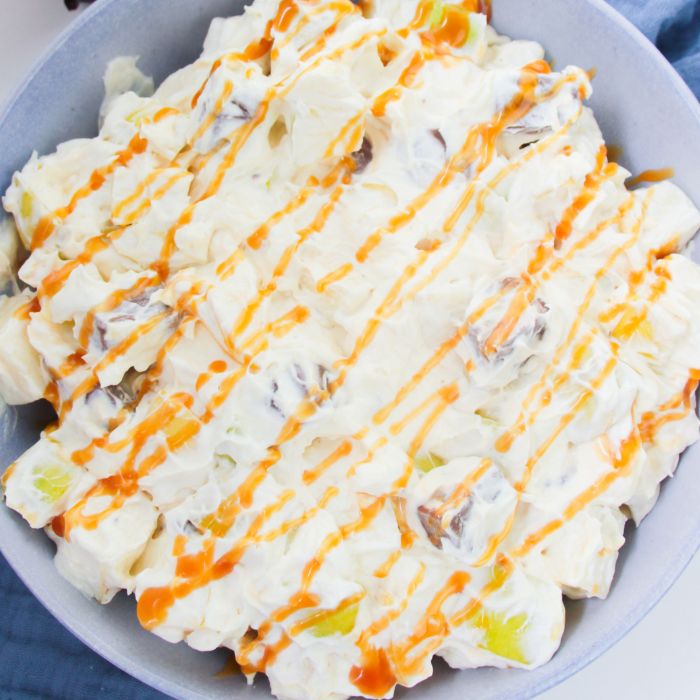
x=643 y=106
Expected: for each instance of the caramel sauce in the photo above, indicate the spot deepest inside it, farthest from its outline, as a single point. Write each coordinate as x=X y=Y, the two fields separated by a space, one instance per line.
x=279 y=327
x=323 y=615
x=218 y=108
x=215 y=67
x=400 y=425
x=375 y=677
x=448 y=395
x=136 y=194
x=257 y=238
x=191 y=566
x=83 y=456
x=341 y=8
x=125 y=482
x=461 y=493
x=58 y=526
x=92 y=381
x=164 y=113
x=25 y=310
x=408 y=536
x=385 y=569
x=453 y=29
x=651 y=176
x=501 y=572
x=567 y=418
x=47 y=224
x=646 y=430
x=71 y=364
x=542 y=67
x=286 y=13
x=505 y=441
x=526 y=293
x=114 y=300
x=591 y=186
x=580 y=402
x=380 y=442
x=162 y=265
x=179 y=545
x=432 y=362
x=55 y=280
x=154 y=603
x=429 y=632
x=407 y=79
x=333 y=277
x=652 y=423
x=316 y=225
x=392 y=303
x=470 y=152
x=342 y=451
x=301 y=599
x=158 y=194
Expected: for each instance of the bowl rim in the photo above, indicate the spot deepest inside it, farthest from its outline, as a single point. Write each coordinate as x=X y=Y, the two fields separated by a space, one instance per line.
x=173 y=689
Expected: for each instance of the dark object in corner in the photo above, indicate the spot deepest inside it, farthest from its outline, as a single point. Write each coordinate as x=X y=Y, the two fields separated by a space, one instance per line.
x=73 y=4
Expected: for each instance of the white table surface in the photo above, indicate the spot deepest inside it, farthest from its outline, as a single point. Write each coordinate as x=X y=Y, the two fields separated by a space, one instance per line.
x=660 y=658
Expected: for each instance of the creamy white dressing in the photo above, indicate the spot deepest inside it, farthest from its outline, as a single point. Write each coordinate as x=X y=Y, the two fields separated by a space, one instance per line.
x=358 y=345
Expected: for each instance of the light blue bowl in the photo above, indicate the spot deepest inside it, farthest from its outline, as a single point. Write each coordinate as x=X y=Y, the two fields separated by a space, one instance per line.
x=642 y=105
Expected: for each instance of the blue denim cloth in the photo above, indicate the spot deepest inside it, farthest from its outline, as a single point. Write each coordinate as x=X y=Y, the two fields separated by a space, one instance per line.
x=674 y=26
x=39 y=660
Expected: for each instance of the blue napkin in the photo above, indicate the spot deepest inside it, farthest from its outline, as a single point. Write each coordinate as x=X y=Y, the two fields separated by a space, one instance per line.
x=674 y=26
x=39 y=660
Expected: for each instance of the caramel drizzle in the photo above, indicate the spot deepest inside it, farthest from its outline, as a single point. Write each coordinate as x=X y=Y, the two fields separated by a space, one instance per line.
x=579 y=403
x=379 y=443
x=519 y=106
x=652 y=423
x=502 y=570
x=92 y=381
x=300 y=599
x=385 y=569
x=480 y=207
x=125 y=483
x=151 y=425
x=381 y=668
x=162 y=266
x=448 y=396
x=465 y=487
x=47 y=224
x=312 y=475
x=440 y=354
x=154 y=603
x=341 y=8
x=644 y=432
x=319 y=222
x=506 y=440
x=621 y=467
x=651 y=176
x=392 y=303
x=526 y=293
x=437 y=397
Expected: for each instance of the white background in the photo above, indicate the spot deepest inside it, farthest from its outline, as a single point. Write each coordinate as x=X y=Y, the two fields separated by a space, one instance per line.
x=658 y=659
